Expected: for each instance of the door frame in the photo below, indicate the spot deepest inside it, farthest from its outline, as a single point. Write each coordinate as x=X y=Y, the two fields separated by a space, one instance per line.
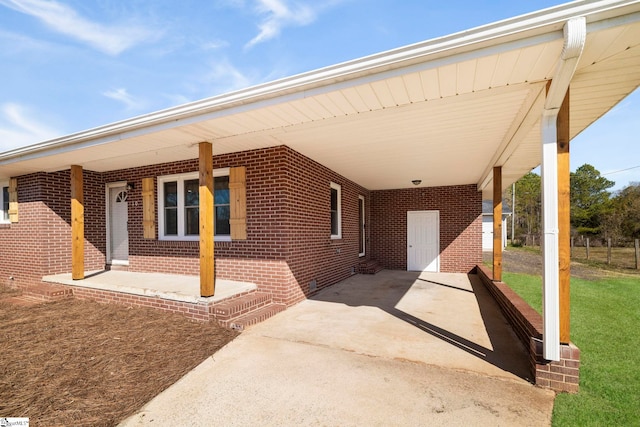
x=108 y=187
x=362 y=225
x=437 y=214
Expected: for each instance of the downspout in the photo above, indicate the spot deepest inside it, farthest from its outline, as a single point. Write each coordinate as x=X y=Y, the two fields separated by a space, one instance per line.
x=575 y=31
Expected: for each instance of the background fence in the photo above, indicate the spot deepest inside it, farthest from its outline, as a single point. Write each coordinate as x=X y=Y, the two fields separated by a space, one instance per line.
x=625 y=257
x=597 y=250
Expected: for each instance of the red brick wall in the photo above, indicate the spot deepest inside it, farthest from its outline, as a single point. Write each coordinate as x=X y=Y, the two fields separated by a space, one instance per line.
x=460 y=209
x=40 y=242
x=312 y=254
x=21 y=248
x=56 y=234
x=182 y=257
x=288 y=225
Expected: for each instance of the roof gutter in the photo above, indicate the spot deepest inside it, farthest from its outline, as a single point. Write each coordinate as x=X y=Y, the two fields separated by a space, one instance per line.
x=575 y=33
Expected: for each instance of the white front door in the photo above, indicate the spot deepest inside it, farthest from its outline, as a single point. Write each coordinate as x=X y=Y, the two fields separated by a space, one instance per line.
x=423 y=241
x=118 y=233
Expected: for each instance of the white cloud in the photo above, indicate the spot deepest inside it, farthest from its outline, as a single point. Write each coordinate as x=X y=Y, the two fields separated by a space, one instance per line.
x=18 y=128
x=279 y=14
x=214 y=44
x=125 y=97
x=226 y=77
x=12 y=42
x=111 y=39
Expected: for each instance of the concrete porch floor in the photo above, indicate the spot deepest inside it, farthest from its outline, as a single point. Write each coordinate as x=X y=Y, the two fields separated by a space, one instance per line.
x=171 y=287
x=397 y=348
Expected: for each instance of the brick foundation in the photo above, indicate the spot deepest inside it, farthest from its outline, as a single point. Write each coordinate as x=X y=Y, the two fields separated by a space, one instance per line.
x=561 y=376
x=200 y=312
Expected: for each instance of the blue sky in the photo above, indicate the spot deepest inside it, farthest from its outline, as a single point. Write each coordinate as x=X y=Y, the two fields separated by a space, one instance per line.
x=70 y=65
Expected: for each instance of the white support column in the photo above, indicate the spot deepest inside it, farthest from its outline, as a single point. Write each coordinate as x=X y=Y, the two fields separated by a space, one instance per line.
x=550 y=275
x=575 y=31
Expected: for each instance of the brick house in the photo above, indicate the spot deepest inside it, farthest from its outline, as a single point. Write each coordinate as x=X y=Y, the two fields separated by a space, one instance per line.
x=290 y=242
x=383 y=158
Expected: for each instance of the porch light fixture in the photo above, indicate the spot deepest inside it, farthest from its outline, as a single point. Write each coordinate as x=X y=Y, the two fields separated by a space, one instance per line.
x=417 y=181
x=130 y=186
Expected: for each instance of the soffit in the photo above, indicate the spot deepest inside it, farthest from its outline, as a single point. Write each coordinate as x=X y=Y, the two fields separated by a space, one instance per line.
x=440 y=124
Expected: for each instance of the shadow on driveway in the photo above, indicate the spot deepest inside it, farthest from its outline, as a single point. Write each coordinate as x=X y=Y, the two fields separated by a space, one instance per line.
x=396 y=348
x=455 y=309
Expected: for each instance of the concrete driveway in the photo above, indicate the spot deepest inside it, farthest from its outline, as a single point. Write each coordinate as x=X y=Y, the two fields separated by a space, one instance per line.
x=397 y=348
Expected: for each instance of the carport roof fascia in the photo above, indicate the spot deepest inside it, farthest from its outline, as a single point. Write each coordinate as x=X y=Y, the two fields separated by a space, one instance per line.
x=518 y=29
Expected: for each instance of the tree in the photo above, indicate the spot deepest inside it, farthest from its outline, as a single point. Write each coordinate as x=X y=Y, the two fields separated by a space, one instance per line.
x=623 y=222
x=590 y=200
x=527 y=206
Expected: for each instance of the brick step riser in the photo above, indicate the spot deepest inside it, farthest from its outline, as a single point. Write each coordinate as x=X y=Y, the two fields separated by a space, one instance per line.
x=249 y=319
x=369 y=267
x=237 y=313
x=240 y=306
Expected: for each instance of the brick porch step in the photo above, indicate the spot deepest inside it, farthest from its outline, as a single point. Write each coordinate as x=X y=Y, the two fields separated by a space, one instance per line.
x=247 y=310
x=369 y=267
x=236 y=307
x=47 y=292
x=256 y=316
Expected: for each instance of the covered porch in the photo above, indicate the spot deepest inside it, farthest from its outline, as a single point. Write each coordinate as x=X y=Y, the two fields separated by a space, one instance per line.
x=171 y=287
x=235 y=305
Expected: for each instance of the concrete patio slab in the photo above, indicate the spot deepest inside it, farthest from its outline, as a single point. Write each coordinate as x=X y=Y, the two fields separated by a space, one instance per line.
x=172 y=287
x=397 y=348
x=441 y=319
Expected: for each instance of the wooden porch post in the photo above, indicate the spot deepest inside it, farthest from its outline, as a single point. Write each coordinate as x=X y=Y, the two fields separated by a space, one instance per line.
x=77 y=223
x=564 y=220
x=497 y=223
x=207 y=268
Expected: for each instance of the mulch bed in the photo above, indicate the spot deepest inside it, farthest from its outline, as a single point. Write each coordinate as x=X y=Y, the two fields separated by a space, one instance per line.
x=79 y=363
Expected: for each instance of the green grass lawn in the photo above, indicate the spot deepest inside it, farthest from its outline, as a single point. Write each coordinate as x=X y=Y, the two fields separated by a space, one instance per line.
x=605 y=325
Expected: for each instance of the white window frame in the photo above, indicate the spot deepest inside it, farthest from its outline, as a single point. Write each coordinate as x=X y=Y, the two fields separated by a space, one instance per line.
x=338 y=188
x=2 y=201
x=180 y=178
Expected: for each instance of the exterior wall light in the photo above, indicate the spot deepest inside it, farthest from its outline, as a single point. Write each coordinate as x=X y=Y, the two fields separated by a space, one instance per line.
x=417 y=181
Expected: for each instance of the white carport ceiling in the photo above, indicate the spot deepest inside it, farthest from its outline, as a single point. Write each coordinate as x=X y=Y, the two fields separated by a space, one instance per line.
x=444 y=111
